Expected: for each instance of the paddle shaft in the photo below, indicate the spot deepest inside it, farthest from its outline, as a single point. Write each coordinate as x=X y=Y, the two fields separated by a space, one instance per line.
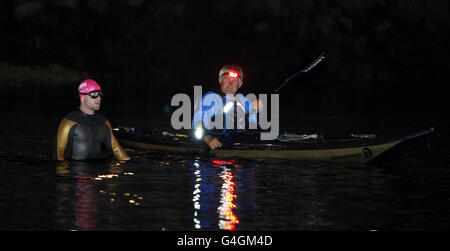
x=307 y=69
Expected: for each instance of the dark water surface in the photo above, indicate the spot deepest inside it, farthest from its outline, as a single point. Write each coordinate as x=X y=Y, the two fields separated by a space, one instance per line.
x=159 y=191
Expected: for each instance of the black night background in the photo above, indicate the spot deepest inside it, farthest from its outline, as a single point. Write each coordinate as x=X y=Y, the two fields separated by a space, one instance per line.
x=387 y=67
x=386 y=58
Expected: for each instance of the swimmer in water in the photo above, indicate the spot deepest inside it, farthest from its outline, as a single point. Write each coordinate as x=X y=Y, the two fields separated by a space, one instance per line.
x=82 y=132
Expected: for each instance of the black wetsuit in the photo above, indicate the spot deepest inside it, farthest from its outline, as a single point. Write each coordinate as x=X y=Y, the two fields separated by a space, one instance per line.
x=80 y=137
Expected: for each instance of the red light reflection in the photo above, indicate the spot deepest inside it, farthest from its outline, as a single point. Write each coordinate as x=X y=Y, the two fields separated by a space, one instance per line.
x=219 y=163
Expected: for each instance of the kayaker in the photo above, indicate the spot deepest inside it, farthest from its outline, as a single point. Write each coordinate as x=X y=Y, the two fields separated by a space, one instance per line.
x=230 y=80
x=82 y=132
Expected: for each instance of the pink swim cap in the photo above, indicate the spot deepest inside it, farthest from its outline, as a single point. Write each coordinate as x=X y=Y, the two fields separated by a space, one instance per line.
x=87 y=86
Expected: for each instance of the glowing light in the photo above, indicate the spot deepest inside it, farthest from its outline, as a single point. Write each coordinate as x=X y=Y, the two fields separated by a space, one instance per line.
x=228 y=106
x=198 y=133
x=233 y=74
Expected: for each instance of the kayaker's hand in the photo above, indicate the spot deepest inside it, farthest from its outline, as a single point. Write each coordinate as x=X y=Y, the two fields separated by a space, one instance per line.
x=212 y=142
x=257 y=105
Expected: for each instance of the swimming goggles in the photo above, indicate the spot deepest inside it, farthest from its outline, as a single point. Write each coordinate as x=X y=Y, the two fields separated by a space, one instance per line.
x=93 y=94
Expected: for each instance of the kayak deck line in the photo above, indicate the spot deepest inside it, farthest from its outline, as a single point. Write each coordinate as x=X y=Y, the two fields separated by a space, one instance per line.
x=340 y=150
x=160 y=147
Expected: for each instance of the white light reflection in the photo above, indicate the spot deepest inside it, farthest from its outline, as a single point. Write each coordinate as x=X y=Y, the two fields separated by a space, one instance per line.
x=196 y=194
x=105 y=176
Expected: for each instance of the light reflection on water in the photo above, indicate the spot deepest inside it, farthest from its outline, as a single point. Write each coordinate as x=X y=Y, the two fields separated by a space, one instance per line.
x=197 y=194
x=227 y=218
x=84 y=200
x=188 y=193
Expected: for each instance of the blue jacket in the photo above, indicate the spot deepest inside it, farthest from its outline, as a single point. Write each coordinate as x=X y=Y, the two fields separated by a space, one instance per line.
x=212 y=105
